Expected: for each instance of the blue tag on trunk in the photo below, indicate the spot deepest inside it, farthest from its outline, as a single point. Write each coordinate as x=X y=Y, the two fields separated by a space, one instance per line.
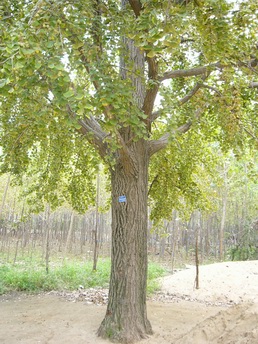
x=122 y=199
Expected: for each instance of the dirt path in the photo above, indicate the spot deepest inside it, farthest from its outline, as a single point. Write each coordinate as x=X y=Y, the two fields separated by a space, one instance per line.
x=187 y=317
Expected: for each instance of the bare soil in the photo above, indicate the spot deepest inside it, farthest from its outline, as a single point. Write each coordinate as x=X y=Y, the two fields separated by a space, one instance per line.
x=224 y=310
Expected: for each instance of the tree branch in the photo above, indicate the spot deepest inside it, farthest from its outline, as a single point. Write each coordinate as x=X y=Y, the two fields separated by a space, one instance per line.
x=152 y=92
x=85 y=62
x=92 y=130
x=183 y=73
x=190 y=94
x=254 y=84
x=183 y=100
x=251 y=134
x=35 y=10
x=162 y=142
x=199 y=70
x=136 y=6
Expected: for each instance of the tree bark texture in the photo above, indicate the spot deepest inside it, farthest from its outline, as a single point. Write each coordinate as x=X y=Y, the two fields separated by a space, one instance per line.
x=126 y=316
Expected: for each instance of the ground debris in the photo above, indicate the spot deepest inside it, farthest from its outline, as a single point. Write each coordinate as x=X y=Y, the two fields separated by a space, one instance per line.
x=99 y=296
x=96 y=296
x=167 y=297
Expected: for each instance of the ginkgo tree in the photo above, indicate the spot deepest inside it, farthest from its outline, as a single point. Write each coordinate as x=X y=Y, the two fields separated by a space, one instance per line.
x=120 y=81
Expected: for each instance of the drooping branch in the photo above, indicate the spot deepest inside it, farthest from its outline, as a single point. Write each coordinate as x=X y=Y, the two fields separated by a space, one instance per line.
x=251 y=134
x=212 y=89
x=190 y=94
x=86 y=64
x=96 y=34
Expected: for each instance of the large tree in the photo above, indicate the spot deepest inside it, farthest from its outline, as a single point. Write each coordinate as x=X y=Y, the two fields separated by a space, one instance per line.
x=124 y=80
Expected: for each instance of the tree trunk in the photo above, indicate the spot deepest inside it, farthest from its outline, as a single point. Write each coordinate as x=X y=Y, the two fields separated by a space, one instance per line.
x=224 y=212
x=126 y=316
x=4 y=196
x=197 y=285
x=96 y=231
x=69 y=236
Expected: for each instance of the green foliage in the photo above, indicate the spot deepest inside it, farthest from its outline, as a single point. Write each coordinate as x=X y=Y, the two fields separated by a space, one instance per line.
x=248 y=252
x=183 y=176
x=155 y=271
x=31 y=276
x=60 y=69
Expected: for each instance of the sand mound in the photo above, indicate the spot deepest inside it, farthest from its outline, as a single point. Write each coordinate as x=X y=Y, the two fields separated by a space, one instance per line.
x=237 y=325
x=221 y=282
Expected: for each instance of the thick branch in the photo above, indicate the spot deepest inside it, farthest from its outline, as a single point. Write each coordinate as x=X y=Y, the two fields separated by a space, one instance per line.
x=161 y=143
x=254 y=84
x=92 y=130
x=182 y=73
x=136 y=6
x=152 y=92
x=198 y=85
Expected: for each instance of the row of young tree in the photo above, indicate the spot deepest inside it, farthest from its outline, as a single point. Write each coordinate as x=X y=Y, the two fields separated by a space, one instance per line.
x=226 y=230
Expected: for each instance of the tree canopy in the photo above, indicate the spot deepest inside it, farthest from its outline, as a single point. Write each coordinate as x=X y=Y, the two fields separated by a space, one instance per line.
x=61 y=76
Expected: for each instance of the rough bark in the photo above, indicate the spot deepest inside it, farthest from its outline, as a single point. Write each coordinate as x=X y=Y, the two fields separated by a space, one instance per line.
x=126 y=316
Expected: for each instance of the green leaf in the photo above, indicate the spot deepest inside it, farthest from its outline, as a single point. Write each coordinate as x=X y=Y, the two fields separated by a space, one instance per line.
x=27 y=51
x=3 y=82
x=77 y=125
x=79 y=96
x=69 y=94
x=38 y=64
x=151 y=53
x=50 y=44
x=18 y=65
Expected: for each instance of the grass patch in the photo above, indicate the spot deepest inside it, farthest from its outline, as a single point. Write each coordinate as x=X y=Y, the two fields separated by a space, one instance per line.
x=32 y=277
x=155 y=271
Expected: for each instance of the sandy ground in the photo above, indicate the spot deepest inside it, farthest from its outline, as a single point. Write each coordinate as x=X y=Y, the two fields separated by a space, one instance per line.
x=224 y=310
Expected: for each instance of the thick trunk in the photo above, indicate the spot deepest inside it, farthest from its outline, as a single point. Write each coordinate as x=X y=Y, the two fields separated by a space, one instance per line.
x=126 y=317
